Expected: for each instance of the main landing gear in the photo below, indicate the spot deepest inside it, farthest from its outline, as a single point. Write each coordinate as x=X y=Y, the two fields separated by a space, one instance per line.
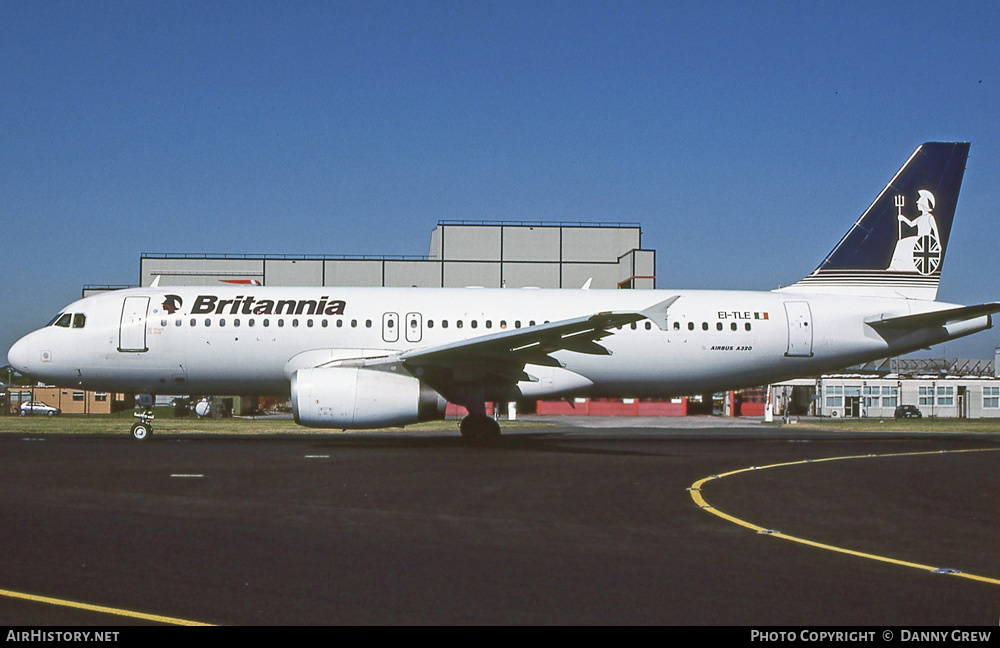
x=480 y=429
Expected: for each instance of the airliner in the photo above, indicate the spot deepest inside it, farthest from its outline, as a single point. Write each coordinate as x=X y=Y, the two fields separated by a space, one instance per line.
x=372 y=357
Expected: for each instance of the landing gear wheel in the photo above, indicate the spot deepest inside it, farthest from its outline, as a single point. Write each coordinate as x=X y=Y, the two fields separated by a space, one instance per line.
x=141 y=431
x=480 y=430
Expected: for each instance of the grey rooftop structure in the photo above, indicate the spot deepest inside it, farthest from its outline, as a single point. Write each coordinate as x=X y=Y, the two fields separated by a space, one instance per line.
x=491 y=254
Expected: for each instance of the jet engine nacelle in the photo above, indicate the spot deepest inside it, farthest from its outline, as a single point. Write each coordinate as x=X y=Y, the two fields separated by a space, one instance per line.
x=351 y=397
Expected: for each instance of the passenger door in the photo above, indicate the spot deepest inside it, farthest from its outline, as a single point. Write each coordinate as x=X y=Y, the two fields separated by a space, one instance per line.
x=132 y=328
x=800 y=335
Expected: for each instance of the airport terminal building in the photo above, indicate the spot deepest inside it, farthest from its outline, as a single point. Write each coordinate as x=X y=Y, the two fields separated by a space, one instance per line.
x=861 y=396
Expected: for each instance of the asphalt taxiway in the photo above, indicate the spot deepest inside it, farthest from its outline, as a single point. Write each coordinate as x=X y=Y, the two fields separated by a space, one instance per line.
x=554 y=526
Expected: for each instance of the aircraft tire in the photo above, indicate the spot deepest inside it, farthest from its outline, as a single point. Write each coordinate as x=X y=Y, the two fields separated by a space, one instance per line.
x=141 y=431
x=480 y=430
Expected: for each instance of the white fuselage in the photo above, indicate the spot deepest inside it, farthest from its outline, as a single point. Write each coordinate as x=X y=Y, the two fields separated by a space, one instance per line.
x=233 y=341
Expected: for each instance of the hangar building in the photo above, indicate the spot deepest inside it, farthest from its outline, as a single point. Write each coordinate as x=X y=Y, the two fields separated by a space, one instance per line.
x=490 y=254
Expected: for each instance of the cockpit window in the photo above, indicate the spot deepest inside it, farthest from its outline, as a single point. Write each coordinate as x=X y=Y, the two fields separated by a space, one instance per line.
x=65 y=320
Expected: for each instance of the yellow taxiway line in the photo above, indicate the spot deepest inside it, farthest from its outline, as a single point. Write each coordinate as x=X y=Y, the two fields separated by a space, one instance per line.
x=695 y=490
x=100 y=608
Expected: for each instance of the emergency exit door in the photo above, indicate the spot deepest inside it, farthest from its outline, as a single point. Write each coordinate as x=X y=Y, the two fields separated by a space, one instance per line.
x=414 y=327
x=390 y=327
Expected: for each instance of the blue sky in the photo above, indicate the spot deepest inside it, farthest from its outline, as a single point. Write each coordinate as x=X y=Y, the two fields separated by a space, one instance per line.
x=745 y=137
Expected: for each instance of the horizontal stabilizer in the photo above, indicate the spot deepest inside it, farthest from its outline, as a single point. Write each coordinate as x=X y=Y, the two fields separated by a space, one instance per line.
x=934 y=318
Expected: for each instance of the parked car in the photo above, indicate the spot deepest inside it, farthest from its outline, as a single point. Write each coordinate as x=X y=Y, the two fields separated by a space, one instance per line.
x=907 y=411
x=38 y=407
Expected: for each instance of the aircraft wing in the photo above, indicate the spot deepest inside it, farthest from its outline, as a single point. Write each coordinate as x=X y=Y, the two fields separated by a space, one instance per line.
x=531 y=345
x=934 y=318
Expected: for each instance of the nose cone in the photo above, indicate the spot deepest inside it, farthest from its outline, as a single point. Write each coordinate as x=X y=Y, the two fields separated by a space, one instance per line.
x=17 y=357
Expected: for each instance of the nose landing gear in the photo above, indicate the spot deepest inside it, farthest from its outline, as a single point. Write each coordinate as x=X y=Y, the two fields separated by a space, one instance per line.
x=143 y=429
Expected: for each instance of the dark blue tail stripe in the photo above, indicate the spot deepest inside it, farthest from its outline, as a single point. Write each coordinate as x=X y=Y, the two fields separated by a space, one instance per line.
x=924 y=193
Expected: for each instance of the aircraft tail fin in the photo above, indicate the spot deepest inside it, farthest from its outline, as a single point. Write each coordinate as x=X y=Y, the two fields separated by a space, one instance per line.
x=896 y=249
